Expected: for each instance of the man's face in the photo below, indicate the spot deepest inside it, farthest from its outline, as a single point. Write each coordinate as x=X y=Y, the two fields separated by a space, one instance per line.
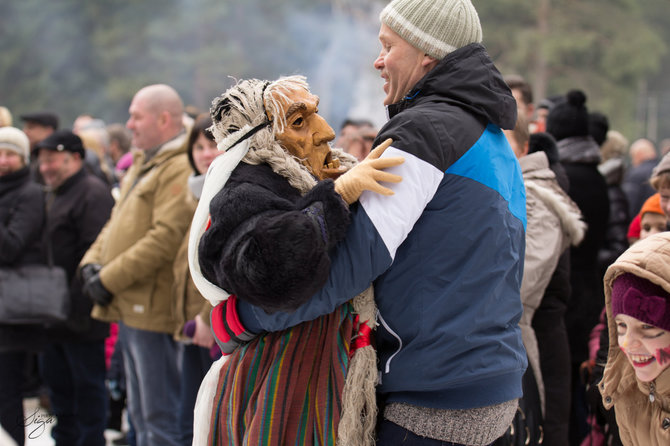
x=401 y=65
x=307 y=134
x=36 y=132
x=56 y=167
x=144 y=124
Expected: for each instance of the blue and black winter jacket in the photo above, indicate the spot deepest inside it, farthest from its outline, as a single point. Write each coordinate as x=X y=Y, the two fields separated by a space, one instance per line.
x=445 y=252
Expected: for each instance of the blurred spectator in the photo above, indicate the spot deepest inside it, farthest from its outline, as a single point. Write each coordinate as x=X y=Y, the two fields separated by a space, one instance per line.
x=356 y=137
x=643 y=158
x=192 y=311
x=660 y=181
x=5 y=117
x=615 y=146
x=568 y=122
x=599 y=125
x=21 y=225
x=524 y=96
x=132 y=261
x=39 y=125
x=73 y=362
x=119 y=141
x=652 y=218
x=613 y=169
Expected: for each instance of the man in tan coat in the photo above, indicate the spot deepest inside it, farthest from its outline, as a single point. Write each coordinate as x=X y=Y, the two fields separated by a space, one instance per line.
x=128 y=270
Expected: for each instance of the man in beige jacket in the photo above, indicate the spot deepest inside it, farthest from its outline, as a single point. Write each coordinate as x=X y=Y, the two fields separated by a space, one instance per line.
x=128 y=270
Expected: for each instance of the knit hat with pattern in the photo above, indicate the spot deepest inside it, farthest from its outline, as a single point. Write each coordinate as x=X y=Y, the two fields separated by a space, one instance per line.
x=436 y=27
x=641 y=299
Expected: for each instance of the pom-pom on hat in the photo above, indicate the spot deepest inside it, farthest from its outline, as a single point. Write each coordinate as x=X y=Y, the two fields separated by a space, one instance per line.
x=641 y=299
x=569 y=118
x=15 y=140
x=436 y=27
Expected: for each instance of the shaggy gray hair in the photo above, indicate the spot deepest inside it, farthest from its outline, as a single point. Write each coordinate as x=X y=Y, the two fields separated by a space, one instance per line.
x=248 y=105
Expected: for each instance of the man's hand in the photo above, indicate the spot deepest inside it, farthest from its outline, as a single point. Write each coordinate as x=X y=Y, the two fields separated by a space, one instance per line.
x=95 y=290
x=367 y=174
x=203 y=336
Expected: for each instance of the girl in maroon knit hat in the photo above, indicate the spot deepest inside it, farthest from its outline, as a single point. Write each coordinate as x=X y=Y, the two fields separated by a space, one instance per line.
x=636 y=380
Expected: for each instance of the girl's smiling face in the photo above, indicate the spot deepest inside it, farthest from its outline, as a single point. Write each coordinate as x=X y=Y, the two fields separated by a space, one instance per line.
x=647 y=347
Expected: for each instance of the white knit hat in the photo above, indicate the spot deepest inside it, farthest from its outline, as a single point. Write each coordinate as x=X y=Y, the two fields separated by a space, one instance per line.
x=436 y=27
x=14 y=139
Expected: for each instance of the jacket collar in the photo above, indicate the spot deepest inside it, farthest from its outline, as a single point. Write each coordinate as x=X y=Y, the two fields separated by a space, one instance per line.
x=70 y=182
x=168 y=149
x=15 y=179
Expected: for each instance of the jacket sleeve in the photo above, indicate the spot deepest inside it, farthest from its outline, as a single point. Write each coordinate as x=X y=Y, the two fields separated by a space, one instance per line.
x=269 y=250
x=379 y=226
x=170 y=219
x=24 y=226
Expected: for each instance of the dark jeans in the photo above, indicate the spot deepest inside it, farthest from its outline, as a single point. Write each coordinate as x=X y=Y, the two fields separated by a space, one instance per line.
x=74 y=373
x=11 y=394
x=390 y=434
x=152 y=385
x=195 y=363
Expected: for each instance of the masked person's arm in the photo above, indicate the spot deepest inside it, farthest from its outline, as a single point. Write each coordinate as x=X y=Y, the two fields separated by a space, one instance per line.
x=380 y=223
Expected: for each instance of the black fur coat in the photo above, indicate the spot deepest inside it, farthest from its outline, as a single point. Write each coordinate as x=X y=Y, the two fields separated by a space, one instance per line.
x=267 y=244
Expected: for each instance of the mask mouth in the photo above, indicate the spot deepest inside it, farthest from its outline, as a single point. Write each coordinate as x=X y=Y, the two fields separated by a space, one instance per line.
x=331 y=167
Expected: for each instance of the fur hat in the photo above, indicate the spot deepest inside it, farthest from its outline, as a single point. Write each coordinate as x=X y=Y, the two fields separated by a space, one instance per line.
x=569 y=118
x=436 y=27
x=14 y=139
x=641 y=299
x=62 y=140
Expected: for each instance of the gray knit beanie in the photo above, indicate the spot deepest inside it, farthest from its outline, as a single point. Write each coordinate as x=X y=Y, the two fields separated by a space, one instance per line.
x=15 y=140
x=436 y=27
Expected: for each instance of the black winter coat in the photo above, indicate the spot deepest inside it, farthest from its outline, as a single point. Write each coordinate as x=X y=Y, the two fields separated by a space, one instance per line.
x=77 y=211
x=588 y=190
x=21 y=225
x=268 y=244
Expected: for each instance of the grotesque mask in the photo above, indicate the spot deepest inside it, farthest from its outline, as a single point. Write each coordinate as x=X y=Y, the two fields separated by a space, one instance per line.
x=306 y=134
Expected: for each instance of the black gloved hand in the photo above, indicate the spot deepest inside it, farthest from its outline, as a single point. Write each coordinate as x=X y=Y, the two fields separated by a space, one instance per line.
x=89 y=270
x=96 y=291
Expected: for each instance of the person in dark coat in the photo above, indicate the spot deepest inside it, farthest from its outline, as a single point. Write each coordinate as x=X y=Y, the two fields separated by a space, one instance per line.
x=549 y=320
x=636 y=185
x=568 y=123
x=21 y=223
x=73 y=363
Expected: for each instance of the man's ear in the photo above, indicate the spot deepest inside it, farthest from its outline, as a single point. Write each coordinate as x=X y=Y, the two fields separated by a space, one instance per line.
x=525 y=149
x=428 y=61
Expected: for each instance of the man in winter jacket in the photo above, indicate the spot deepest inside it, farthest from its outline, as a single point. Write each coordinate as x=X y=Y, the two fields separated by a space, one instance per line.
x=446 y=251
x=128 y=270
x=73 y=363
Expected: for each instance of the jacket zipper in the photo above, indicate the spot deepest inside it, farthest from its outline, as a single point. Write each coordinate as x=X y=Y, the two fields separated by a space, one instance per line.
x=387 y=368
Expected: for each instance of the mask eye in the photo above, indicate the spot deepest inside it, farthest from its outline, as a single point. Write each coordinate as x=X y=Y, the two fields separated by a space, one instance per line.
x=297 y=122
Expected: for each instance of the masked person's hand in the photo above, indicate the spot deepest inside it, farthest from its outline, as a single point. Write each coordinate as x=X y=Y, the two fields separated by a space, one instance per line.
x=96 y=291
x=368 y=174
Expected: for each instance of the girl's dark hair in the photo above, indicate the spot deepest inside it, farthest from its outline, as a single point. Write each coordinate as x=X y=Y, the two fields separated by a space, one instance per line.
x=201 y=125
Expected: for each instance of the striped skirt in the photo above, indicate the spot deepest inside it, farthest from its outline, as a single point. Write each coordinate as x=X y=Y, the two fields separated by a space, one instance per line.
x=285 y=388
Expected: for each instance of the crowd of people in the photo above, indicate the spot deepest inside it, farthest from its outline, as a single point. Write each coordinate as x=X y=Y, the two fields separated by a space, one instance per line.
x=514 y=252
